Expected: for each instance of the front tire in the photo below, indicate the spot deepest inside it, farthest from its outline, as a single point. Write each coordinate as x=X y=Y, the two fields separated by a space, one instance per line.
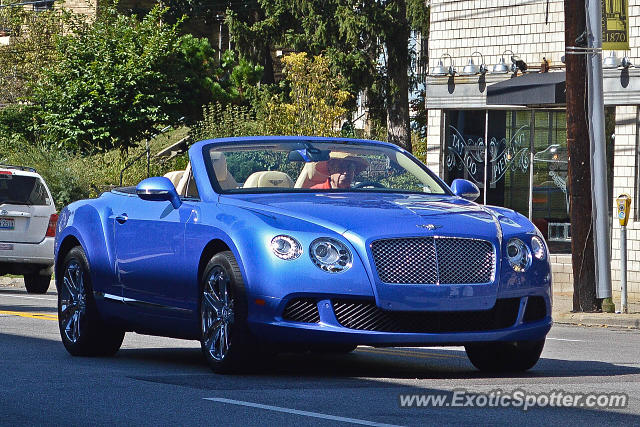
x=226 y=340
x=37 y=284
x=517 y=356
x=82 y=330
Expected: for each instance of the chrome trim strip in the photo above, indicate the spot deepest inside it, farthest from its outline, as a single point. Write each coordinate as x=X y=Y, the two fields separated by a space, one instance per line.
x=132 y=301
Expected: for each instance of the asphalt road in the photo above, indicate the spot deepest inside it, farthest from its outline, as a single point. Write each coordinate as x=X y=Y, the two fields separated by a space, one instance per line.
x=161 y=381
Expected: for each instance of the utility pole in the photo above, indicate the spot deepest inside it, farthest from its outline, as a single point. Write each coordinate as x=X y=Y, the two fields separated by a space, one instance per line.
x=579 y=168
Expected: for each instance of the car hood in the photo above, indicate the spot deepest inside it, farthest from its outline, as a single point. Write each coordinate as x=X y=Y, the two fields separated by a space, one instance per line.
x=376 y=214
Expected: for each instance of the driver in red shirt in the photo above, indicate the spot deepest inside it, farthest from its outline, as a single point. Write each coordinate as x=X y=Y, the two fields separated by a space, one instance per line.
x=341 y=170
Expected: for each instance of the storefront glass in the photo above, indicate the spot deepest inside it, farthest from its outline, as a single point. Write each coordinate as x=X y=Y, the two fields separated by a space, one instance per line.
x=537 y=190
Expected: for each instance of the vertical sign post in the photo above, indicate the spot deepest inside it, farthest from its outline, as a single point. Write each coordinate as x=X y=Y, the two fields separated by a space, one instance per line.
x=624 y=207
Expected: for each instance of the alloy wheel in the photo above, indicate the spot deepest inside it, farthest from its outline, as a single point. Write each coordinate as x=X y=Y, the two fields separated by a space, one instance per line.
x=217 y=313
x=73 y=303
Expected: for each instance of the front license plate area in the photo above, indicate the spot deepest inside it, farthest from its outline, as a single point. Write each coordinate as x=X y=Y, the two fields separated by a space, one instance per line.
x=7 y=224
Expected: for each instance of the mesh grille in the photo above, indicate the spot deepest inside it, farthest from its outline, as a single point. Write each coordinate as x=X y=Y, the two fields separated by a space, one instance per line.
x=429 y=260
x=302 y=310
x=365 y=315
x=536 y=309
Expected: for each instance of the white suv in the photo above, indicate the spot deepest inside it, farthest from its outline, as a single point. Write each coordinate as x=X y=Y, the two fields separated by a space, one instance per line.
x=27 y=227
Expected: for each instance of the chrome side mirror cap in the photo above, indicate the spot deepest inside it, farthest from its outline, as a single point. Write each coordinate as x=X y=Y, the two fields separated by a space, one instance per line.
x=465 y=189
x=158 y=188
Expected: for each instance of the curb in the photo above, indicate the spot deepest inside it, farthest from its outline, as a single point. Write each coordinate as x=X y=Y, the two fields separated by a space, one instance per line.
x=606 y=320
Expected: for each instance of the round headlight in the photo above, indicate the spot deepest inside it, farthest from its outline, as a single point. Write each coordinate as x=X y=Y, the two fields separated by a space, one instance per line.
x=286 y=247
x=330 y=255
x=519 y=255
x=538 y=248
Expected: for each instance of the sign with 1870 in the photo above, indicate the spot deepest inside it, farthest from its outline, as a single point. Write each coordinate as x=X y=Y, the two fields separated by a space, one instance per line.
x=615 y=25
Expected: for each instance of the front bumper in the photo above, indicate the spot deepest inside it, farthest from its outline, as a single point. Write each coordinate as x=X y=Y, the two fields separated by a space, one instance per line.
x=328 y=330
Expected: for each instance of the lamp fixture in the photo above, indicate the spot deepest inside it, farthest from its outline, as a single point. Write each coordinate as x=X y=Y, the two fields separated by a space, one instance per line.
x=626 y=62
x=441 y=70
x=611 y=61
x=472 y=69
x=501 y=67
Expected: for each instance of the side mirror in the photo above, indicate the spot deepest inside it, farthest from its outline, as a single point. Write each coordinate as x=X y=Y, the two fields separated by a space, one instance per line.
x=158 y=188
x=465 y=189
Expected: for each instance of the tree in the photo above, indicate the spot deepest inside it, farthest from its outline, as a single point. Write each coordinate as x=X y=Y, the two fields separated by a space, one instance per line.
x=119 y=78
x=317 y=104
x=366 y=43
x=30 y=49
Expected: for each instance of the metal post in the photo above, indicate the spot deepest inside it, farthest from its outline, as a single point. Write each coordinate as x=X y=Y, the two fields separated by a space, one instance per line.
x=486 y=149
x=599 y=192
x=623 y=269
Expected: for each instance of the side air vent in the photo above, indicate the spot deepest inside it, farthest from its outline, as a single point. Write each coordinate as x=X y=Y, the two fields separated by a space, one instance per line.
x=302 y=310
x=536 y=309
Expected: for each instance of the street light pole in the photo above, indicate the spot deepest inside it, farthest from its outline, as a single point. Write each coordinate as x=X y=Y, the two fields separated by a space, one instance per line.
x=579 y=167
x=599 y=191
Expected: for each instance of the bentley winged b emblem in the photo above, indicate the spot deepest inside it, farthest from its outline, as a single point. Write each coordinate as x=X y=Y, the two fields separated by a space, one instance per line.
x=429 y=227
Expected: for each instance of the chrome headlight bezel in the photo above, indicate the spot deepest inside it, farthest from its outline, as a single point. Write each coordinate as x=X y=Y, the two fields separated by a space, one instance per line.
x=538 y=248
x=518 y=255
x=337 y=256
x=286 y=247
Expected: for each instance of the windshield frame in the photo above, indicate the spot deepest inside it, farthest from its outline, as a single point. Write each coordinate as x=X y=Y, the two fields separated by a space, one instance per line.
x=303 y=142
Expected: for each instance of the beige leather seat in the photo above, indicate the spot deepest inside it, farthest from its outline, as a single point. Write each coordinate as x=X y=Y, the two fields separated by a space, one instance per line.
x=174 y=177
x=225 y=179
x=268 y=179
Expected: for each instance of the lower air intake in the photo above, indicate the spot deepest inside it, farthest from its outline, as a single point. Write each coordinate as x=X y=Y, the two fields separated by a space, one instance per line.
x=367 y=316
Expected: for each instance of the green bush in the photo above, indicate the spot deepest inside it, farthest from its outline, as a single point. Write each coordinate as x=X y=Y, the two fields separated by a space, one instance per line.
x=71 y=177
x=220 y=121
x=120 y=78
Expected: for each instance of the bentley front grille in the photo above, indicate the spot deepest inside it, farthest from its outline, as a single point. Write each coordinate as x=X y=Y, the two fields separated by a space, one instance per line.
x=302 y=310
x=434 y=260
x=366 y=316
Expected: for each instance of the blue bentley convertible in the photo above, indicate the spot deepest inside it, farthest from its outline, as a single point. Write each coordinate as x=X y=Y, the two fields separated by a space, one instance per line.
x=320 y=244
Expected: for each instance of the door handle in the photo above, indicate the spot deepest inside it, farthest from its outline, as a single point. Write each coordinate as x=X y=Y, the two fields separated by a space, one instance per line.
x=122 y=218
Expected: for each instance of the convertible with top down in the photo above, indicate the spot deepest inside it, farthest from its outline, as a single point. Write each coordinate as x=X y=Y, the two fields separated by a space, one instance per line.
x=321 y=244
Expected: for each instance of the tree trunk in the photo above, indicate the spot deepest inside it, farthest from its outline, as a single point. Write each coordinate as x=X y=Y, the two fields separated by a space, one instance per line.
x=398 y=86
x=579 y=173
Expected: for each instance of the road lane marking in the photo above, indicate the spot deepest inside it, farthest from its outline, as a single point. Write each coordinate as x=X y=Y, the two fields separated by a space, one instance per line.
x=44 y=316
x=564 y=339
x=28 y=297
x=297 y=412
x=418 y=354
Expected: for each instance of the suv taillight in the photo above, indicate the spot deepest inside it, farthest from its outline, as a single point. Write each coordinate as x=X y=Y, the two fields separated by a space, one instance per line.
x=51 y=229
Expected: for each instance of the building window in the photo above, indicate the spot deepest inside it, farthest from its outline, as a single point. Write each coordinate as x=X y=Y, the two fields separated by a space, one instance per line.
x=522 y=165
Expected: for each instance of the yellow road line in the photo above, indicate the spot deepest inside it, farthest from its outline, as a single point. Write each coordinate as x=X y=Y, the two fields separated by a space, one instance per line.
x=44 y=316
x=417 y=354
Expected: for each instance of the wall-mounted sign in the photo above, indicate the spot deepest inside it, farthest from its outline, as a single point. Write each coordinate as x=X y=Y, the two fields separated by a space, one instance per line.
x=615 y=25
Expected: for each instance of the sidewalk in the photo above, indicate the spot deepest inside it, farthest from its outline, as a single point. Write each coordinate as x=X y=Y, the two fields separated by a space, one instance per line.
x=562 y=306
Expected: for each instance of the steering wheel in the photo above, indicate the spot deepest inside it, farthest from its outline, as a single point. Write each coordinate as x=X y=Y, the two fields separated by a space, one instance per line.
x=368 y=184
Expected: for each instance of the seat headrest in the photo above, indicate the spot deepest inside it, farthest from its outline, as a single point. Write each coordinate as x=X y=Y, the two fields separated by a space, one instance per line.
x=219 y=162
x=269 y=179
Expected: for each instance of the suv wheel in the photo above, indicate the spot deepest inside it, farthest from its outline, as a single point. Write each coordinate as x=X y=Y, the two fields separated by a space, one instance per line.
x=37 y=284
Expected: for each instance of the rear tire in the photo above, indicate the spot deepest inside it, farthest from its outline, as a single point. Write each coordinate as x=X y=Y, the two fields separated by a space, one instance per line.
x=82 y=330
x=226 y=341
x=37 y=284
x=517 y=356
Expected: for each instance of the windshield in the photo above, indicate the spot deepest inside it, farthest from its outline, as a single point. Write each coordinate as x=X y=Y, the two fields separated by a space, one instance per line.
x=22 y=190
x=301 y=166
